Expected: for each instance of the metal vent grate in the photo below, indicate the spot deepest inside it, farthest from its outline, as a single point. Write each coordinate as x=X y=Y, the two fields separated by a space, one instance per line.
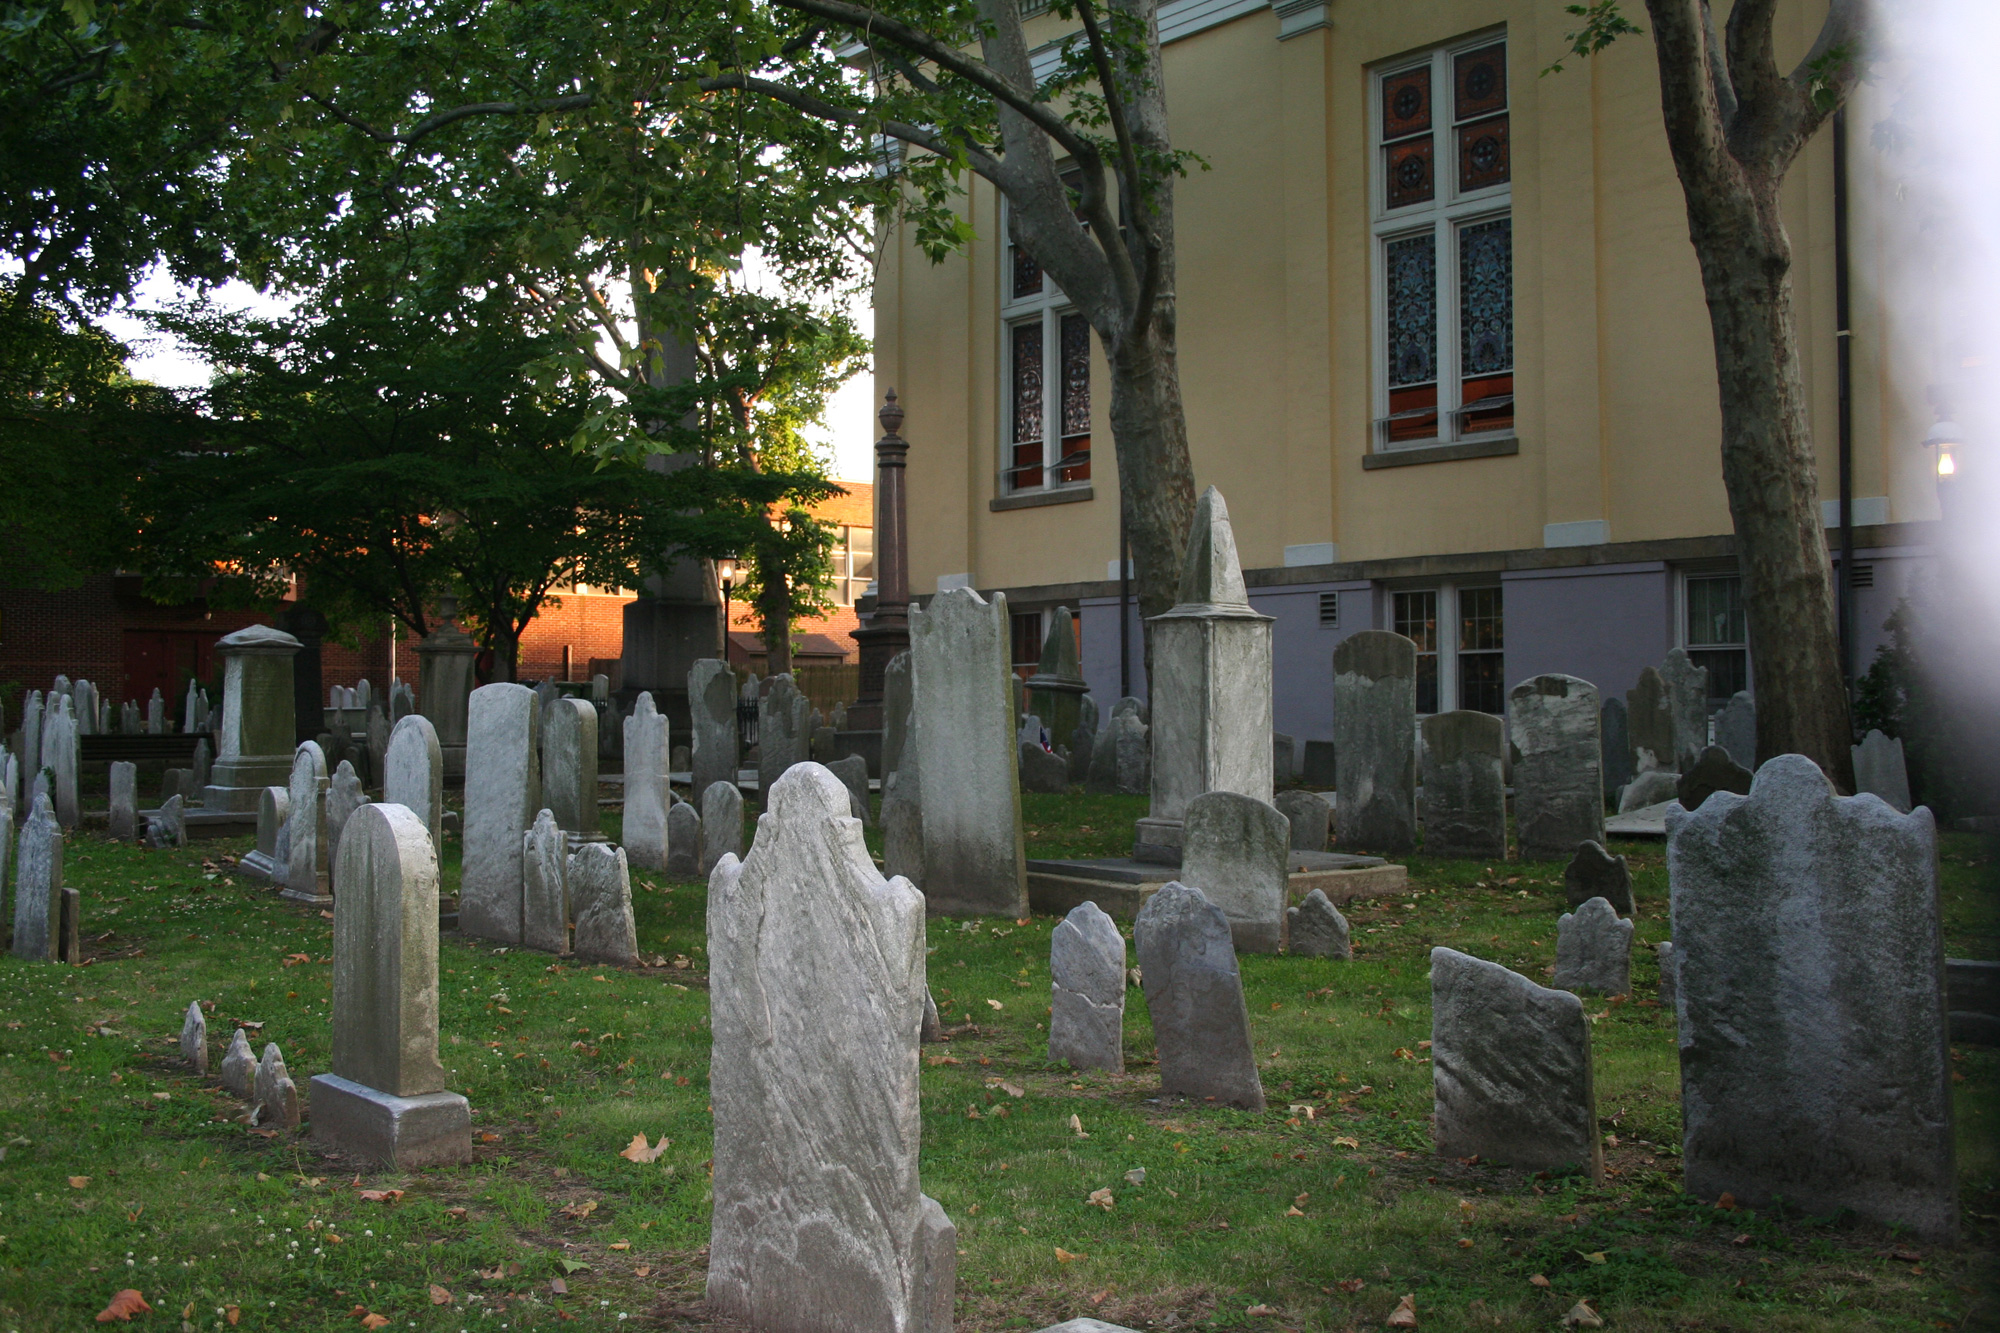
x=1864 y=576
x=1329 y=610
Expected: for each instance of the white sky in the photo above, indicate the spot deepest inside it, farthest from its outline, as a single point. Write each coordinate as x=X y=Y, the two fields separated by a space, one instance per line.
x=848 y=433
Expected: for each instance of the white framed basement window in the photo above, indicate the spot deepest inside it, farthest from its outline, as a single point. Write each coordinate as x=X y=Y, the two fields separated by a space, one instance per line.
x=1460 y=634
x=1443 y=237
x=1044 y=379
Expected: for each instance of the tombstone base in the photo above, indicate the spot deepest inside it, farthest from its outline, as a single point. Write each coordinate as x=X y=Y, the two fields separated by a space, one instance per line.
x=1157 y=841
x=403 y=1132
x=309 y=899
x=257 y=865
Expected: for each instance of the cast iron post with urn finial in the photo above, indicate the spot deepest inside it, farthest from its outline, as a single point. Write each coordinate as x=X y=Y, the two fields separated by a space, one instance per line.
x=888 y=629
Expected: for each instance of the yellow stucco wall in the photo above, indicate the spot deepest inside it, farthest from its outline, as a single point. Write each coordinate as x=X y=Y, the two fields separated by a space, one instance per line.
x=1616 y=405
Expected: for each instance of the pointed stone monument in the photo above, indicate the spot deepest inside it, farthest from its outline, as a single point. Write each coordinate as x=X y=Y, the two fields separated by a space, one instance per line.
x=1056 y=690
x=1211 y=687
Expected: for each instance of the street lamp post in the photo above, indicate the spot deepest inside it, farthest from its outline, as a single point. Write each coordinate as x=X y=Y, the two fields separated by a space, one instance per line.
x=725 y=568
x=1947 y=439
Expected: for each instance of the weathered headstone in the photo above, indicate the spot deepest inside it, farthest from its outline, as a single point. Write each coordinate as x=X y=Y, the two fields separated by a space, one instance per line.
x=1284 y=759
x=1712 y=772
x=1511 y=1069
x=903 y=814
x=974 y=863
x=1615 y=746
x=384 y=1100
x=611 y=731
x=816 y=985
x=784 y=730
x=1237 y=850
x=853 y=774
x=1087 y=991
x=1596 y=873
x=194 y=1037
x=1736 y=729
x=681 y=759
x=448 y=655
x=1878 y=769
x=69 y=937
x=1809 y=957
x=175 y=782
x=1042 y=771
x=1132 y=755
x=545 y=886
x=897 y=700
x=413 y=772
x=1649 y=788
x=38 y=876
x=1594 y=950
x=1687 y=700
x=1310 y=817
x=31 y=735
x=1082 y=746
x=1316 y=929
x=1558 y=788
x=1650 y=720
x=1319 y=769
x=1465 y=796
x=344 y=796
x=683 y=841
x=647 y=793
x=1194 y=994
x=600 y=896
x=306 y=875
x=825 y=745
x=1056 y=690
x=204 y=764
x=264 y=861
x=1100 y=774
x=378 y=741
x=276 y=1096
x=62 y=755
x=156 y=715
x=239 y=1067
x=503 y=790
x=255 y=749
x=167 y=826
x=1210 y=673
x=124 y=824
x=569 y=765
x=721 y=824
x=1375 y=736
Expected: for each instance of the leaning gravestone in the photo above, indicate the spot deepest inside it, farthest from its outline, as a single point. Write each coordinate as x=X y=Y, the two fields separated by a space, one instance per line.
x=124 y=825
x=1736 y=729
x=545 y=886
x=1237 y=850
x=194 y=1037
x=853 y=774
x=1809 y=963
x=646 y=791
x=1596 y=873
x=1309 y=816
x=503 y=790
x=784 y=730
x=816 y=985
x=1194 y=995
x=974 y=864
x=1465 y=796
x=1649 y=788
x=1042 y=771
x=1650 y=719
x=413 y=772
x=1594 y=950
x=1316 y=929
x=600 y=895
x=1511 y=1069
x=1878 y=768
x=266 y=861
x=721 y=824
x=1615 y=740
x=1087 y=991
x=167 y=826
x=1714 y=771
x=683 y=841
x=1558 y=790
x=1687 y=700
x=343 y=797
x=1210 y=673
x=385 y=1099
x=306 y=875
x=38 y=876
x=1375 y=737
x=569 y=766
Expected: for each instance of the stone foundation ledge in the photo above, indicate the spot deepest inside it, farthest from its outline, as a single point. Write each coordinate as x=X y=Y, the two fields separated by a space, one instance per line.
x=434 y=1129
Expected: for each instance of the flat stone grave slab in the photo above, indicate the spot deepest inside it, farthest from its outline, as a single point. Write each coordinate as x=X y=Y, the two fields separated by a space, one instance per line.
x=1120 y=885
x=202 y=823
x=1646 y=822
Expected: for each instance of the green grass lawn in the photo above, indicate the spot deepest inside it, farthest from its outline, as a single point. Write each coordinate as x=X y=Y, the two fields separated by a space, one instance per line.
x=123 y=1169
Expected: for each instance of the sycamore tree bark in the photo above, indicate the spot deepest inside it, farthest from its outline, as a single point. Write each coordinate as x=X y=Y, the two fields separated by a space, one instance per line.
x=1106 y=235
x=1735 y=125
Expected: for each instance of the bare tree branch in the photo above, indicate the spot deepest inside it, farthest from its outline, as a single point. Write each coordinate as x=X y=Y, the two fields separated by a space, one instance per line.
x=978 y=158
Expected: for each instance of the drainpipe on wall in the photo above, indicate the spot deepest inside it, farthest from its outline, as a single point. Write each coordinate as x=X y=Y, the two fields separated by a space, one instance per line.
x=1124 y=609
x=1843 y=359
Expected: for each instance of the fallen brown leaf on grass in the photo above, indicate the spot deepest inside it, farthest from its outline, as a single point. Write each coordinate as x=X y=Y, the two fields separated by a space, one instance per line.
x=1293 y=1211
x=580 y=1210
x=381 y=1196
x=1260 y=1309
x=232 y=1314
x=1102 y=1198
x=78 y=1182
x=1538 y=1281
x=1351 y=1285
x=1582 y=1316
x=1344 y=1142
x=1064 y=1256
x=1404 y=1315
x=558 y=1286
x=1076 y=1126
x=643 y=1270
x=488 y=1136
x=123 y=1306
x=439 y=1296
x=621 y=1245
x=375 y=1321
x=637 y=1151
x=942 y=1059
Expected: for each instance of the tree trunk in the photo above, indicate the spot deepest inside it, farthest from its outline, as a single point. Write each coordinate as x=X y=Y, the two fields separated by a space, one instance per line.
x=774 y=609
x=1772 y=477
x=1155 y=476
x=506 y=654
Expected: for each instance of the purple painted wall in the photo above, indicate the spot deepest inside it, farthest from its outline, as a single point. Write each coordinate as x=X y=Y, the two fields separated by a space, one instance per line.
x=1603 y=623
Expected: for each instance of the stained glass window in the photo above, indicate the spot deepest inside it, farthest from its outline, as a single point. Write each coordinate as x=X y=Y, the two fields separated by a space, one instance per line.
x=1483 y=154
x=1406 y=103
x=1479 y=80
x=1075 y=398
x=1027 y=273
x=1486 y=324
x=1410 y=177
x=1412 y=274
x=1027 y=452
